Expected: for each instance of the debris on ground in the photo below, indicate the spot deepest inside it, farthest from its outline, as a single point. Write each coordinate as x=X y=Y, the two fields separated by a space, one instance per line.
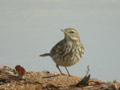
x=21 y=79
x=85 y=80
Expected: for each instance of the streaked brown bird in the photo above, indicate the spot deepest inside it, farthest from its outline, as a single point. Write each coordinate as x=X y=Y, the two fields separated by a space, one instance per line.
x=68 y=51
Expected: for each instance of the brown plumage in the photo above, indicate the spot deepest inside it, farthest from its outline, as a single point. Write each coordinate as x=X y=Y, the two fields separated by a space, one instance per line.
x=68 y=51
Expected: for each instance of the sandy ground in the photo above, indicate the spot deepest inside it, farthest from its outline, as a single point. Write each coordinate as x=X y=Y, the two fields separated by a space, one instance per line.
x=9 y=80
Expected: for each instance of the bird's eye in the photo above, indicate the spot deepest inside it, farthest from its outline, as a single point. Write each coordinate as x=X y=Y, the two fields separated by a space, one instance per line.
x=71 y=32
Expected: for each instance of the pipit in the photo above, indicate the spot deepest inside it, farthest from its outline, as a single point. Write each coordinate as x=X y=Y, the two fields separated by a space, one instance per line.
x=68 y=51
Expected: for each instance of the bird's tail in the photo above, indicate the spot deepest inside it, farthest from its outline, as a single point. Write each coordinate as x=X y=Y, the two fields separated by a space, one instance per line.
x=45 y=54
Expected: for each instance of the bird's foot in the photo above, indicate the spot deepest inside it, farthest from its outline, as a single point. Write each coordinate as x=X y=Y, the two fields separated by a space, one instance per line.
x=59 y=73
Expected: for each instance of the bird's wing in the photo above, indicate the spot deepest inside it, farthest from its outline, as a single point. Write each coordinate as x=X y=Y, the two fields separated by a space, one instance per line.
x=58 y=48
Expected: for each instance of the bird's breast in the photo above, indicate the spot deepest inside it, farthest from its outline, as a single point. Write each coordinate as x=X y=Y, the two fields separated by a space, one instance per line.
x=70 y=55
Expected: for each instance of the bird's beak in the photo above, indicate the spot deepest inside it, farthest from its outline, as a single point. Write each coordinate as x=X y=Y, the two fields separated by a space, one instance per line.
x=64 y=31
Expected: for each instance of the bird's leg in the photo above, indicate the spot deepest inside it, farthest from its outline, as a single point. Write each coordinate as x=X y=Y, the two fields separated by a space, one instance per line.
x=67 y=71
x=59 y=69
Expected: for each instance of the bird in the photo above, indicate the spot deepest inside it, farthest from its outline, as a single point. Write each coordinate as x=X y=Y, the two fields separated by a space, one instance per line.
x=68 y=51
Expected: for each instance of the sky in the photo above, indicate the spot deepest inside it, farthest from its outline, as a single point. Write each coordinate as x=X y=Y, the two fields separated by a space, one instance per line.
x=29 y=28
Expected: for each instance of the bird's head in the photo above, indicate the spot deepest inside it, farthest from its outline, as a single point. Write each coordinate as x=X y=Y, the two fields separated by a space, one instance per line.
x=71 y=33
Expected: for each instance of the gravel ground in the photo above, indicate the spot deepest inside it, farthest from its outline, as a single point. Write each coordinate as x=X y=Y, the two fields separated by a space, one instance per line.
x=10 y=80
